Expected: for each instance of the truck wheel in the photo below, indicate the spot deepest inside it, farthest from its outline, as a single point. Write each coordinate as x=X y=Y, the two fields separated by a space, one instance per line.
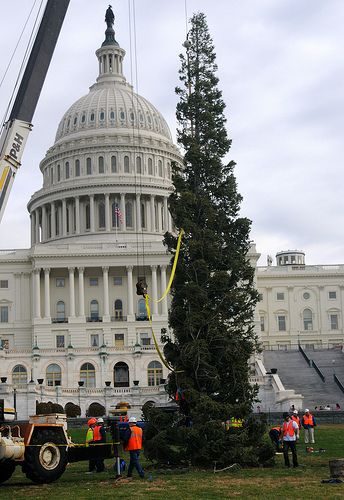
x=45 y=457
x=6 y=470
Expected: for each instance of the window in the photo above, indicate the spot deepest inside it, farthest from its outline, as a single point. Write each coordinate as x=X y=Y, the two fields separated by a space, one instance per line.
x=94 y=340
x=19 y=375
x=53 y=375
x=113 y=164
x=93 y=281
x=4 y=314
x=280 y=296
x=122 y=115
x=92 y=117
x=117 y=280
x=60 y=282
x=94 y=309
x=144 y=339
x=88 y=375
x=60 y=309
x=121 y=375
x=101 y=164
x=281 y=323
x=143 y=215
x=138 y=165
x=307 y=320
x=126 y=164
x=67 y=169
x=4 y=284
x=112 y=115
x=87 y=217
x=332 y=295
x=118 y=310
x=160 y=168
x=88 y=166
x=334 y=321
x=154 y=373
x=77 y=168
x=83 y=118
x=260 y=297
x=162 y=217
x=150 y=166
x=262 y=324
x=57 y=222
x=119 y=339
x=60 y=341
x=306 y=296
x=101 y=215
x=142 y=309
x=102 y=115
x=128 y=214
x=5 y=343
x=58 y=173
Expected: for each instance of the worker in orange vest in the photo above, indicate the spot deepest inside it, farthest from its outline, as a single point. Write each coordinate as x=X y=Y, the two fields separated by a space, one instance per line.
x=275 y=436
x=132 y=441
x=308 y=423
x=296 y=418
x=92 y=464
x=290 y=433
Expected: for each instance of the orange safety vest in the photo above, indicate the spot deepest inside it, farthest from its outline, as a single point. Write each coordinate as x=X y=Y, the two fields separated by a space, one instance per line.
x=135 y=440
x=276 y=429
x=288 y=427
x=308 y=420
x=296 y=419
x=96 y=434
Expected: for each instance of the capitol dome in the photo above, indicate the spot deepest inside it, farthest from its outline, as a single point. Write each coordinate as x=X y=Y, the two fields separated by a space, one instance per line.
x=110 y=145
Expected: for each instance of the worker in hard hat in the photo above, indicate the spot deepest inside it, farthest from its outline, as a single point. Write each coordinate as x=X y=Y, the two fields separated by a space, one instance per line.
x=132 y=442
x=99 y=437
x=89 y=439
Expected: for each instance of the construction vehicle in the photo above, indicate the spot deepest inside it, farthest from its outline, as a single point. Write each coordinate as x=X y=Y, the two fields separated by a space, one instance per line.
x=42 y=446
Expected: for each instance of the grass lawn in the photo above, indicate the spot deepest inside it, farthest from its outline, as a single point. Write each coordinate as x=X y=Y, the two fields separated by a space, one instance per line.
x=274 y=483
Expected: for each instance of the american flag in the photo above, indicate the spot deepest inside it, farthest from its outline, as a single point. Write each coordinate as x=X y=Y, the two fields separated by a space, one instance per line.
x=118 y=212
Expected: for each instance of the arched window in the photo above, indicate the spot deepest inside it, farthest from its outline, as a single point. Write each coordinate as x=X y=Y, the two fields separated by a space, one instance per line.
x=138 y=165
x=61 y=311
x=94 y=309
x=118 y=310
x=53 y=375
x=169 y=170
x=58 y=173
x=101 y=164
x=162 y=218
x=67 y=219
x=113 y=164
x=67 y=169
x=77 y=168
x=88 y=166
x=142 y=309
x=160 y=168
x=143 y=216
x=150 y=166
x=154 y=373
x=101 y=215
x=121 y=375
x=126 y=164
x=156 y=218
x=88 y=375
x=307 y=319
x=19 y=375
x=128 y=214
x=57 y=222
x=87 y=218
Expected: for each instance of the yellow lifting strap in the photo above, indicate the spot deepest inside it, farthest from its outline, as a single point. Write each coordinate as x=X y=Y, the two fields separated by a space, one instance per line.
x=146 y=297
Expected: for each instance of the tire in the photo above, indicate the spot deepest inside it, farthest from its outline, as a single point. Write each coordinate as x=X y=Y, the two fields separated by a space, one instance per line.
x=46 y=459
x=6 y=470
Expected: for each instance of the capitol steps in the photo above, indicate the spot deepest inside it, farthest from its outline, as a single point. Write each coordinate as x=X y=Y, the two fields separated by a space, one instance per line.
x=295 y=373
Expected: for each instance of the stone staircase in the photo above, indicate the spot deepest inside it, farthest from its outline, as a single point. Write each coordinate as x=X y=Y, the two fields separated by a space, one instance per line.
x=295 y=373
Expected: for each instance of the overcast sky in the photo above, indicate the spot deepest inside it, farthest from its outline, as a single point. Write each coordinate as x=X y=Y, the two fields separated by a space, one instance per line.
x=281 y=71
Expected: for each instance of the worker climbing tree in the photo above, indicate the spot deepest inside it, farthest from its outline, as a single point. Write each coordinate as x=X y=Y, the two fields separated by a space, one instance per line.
x=213 y=292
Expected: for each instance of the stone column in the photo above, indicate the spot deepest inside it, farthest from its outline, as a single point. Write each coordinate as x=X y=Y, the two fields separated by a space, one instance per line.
x=63 y=230
x=36 y=292
x=71 y=292
x=17 y=277
x=37 y=225
x=44 y=232
x=32 y=221
x=154 y=289
x=152 y=213
x=47 y=292
x=130 y=290
x=81 y=292
x=53 y=220
x=163 y=289
x=106 y=292
x=166 y=216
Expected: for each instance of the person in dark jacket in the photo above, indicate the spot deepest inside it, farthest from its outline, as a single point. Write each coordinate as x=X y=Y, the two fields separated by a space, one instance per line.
x=132 y=442
x=275 y=436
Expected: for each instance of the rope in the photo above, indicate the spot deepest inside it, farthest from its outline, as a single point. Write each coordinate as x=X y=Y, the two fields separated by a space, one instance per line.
x=146 y=297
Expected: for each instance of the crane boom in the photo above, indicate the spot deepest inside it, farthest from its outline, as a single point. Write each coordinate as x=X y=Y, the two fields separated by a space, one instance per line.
x=17 y=128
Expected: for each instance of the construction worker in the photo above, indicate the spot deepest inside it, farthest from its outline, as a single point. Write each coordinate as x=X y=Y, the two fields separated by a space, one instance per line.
x=132 y=442
x=99 y=436
x=275 y=436
x=290 y=432
x=89 y=439
x=308 y=423
x=296 y=418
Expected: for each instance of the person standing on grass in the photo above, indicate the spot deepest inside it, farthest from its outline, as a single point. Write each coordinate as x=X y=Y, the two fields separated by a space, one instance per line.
x=290 y=433
x=89 y=439
x=308 y=423
x=132 y=442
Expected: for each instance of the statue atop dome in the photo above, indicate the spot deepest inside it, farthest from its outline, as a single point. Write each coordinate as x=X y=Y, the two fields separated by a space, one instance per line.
x=109 y=17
